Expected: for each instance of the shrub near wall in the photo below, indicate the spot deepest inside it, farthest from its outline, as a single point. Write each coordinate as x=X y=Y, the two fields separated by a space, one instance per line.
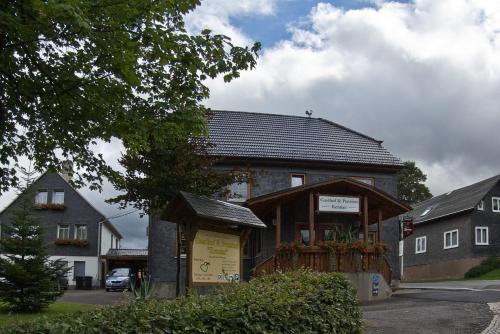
x=298 y=302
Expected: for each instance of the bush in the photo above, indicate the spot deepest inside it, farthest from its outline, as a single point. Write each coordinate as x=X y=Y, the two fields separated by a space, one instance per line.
x=298 y=302
x=484 y=267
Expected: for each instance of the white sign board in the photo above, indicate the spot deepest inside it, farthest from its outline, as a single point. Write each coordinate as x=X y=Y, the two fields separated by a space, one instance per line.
x=338 y=204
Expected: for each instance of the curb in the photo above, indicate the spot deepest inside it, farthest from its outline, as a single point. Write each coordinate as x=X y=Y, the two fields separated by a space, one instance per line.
x=437 y=288
x=494 y=327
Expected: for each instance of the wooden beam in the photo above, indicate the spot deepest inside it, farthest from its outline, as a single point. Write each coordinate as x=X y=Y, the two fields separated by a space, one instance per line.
x=365 y=218
x=311 y=219
x=278 y=225
x=380 y=227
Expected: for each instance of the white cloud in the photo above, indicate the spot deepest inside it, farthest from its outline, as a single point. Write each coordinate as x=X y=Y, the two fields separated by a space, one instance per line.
x=423 y=76
x=216 y=15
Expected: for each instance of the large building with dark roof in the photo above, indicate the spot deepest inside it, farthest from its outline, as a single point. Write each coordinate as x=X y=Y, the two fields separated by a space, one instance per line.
x=274 y=152
x=454 y=232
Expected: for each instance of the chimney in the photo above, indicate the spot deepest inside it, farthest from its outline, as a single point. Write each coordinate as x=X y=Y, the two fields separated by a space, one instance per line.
x=67 y=170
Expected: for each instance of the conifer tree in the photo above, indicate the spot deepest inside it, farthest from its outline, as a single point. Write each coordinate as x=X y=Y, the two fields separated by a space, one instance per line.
x=29 y=281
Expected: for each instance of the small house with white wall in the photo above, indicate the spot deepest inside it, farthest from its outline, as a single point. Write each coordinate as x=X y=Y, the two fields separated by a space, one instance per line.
x=75 y=231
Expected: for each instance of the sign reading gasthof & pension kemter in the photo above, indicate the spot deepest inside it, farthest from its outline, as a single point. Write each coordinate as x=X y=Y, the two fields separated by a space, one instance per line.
x=344 y=204
x=216 y=257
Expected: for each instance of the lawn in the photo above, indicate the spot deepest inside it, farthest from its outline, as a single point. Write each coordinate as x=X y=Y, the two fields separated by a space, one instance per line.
x=53 y=310
x=494 y=274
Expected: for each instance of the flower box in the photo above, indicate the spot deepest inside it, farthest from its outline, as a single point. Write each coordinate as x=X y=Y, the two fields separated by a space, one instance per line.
x=71 y=242
x=50 y=206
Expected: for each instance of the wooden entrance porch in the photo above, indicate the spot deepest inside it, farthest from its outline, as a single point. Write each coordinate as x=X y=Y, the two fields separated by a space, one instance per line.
x=307 y=236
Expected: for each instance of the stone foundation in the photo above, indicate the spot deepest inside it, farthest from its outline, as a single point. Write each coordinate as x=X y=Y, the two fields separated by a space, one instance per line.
x=453 y=269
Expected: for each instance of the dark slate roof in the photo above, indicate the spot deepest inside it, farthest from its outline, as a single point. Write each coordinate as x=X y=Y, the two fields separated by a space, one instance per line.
x=208 y=208
x=454 y=202
x=127 y=252
x=273 y=136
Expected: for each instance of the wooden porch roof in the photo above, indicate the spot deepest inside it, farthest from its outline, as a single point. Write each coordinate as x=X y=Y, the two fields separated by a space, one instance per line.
x=377 y=199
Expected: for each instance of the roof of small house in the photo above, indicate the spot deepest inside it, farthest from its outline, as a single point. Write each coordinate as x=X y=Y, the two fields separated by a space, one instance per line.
x=113 y=252
x=272 y=136
x=454 y=202
x=215 y=210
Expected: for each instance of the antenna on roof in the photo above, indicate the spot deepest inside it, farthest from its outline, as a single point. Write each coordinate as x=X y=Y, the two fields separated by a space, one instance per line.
x=309 y=113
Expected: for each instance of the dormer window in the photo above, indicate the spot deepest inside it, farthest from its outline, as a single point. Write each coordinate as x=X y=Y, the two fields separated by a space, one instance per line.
x=41 y=197
x=480 y=205
x=58 y=197
x=426 y=211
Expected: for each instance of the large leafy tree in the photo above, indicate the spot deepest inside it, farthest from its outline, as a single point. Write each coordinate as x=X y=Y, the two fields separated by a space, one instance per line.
x=411 y=184
x=77 y=72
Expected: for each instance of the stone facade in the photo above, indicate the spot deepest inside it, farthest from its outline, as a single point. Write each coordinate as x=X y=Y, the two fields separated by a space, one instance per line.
x=268 y=178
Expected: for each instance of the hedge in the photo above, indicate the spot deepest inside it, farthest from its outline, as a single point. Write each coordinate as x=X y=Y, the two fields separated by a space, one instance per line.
x=298 y=302
x=484 y=267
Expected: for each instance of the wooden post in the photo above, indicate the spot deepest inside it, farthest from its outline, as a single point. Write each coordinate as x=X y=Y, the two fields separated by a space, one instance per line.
x=365 y=218
x=311 y=219
x=244 y=236
x=189 y=234
x=380 y=227
x=278 y=225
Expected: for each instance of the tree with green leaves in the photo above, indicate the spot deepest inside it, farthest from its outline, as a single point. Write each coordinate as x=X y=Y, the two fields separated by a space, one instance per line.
x=411 y=184
x=29 y=281
x=80 y=72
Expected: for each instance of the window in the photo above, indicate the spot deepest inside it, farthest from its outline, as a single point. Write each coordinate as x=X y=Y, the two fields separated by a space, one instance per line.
x=451 y=239
x=495 y=204
x=426 y=211
x=480 y=205
x=368 y=180
x=63 y=232
x=420 y=245
x=58 y=197
x=81 y=232
x=304 y=237
x=297 y=179
x=482 y=235
x=41 y=197
x=238 y=192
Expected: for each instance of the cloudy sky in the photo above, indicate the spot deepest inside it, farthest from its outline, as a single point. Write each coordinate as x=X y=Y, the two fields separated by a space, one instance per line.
x=423 y=76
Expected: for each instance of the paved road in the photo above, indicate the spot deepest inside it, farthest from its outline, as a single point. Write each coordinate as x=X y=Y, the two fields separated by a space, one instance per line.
x=431 y=311
x=94 y=297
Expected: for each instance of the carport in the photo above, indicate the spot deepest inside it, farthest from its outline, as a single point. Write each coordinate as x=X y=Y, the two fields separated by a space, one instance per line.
x=136 y=259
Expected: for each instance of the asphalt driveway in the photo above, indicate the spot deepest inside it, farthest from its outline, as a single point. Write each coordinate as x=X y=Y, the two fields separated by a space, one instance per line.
x=431 y=311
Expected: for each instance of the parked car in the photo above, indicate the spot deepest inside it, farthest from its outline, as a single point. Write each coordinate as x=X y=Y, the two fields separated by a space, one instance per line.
x=119 y=279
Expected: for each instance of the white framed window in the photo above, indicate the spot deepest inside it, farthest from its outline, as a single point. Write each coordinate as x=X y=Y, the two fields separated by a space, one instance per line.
x=297 y=180
x=81 y=232
x=482 y=235
x=238 y=191
x=41 y=197
x=495 y=204
x=63 y=232
x=58 y=197
x=480 y=205
x=451 y=239
x=421 y=245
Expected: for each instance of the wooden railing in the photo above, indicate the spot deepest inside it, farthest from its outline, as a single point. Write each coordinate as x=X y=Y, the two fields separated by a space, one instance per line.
x=319 y=259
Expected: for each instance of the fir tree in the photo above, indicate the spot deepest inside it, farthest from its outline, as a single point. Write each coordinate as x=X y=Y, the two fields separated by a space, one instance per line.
x=28 y=279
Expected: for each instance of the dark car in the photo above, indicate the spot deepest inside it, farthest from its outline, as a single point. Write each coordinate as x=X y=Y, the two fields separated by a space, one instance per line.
x=119 y=279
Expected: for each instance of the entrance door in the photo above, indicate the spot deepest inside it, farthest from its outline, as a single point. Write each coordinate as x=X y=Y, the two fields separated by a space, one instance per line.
x=79 y=269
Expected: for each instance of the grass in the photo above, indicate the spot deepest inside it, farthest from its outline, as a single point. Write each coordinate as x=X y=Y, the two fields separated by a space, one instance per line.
x=494 y=274
x=54 y=309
